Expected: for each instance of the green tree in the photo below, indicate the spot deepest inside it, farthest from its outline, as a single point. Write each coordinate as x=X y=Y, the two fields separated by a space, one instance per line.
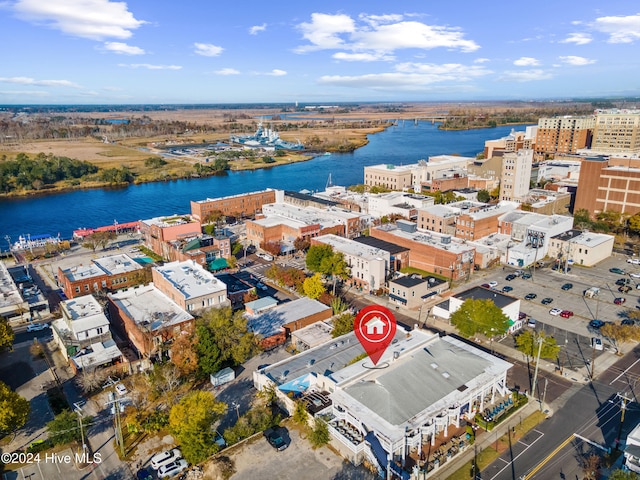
x=483 y=196
x=65 y=428
x=633 y=223
x=14 y=410
x=209 y=357
x=342 y=324
x=480 y=316
x=338 y=305
x=581 y=219
x=618 y=334
x=300 y=415
x=191 y=421
x=319 y=436
x=316 y=255
x=313 y=287
x=230 y=334
x=622 y=475
x=6 y=334
x=527 y=343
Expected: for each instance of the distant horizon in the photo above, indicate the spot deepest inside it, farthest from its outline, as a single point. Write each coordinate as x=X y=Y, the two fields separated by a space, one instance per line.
x=110 y=52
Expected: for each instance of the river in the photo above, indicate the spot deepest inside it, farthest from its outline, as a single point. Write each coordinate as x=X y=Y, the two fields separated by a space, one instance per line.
x=62 y=213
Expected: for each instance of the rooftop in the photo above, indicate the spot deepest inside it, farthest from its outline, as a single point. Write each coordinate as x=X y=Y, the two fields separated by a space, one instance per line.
x=234 y=196
x=587 y=239
x=480 y=293
x=392 y=248
x=271 y=322
x=149 y=307
x=409 y=281
x=97 y=354
x=117 y=264
x=434 y=239
x=169 y=221
x=190 y=279
x=353 y=248
x=9 y=293
x=314 y=334
x=83 y=313
x=309 y=198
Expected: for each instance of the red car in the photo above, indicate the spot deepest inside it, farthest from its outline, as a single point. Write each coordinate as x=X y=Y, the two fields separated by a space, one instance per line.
x=619 y=300
x=566 y=313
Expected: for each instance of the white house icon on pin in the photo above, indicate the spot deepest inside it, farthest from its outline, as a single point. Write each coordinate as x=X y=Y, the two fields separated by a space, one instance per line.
x=375 y=326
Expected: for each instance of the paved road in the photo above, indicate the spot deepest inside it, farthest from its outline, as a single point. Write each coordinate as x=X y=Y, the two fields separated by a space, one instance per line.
x=586 y=421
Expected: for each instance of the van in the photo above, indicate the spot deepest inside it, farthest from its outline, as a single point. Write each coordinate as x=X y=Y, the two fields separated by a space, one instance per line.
x=596 y=343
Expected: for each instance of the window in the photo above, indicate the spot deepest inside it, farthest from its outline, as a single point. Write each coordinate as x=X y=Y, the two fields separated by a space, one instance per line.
x=78 y=289
x=99 y=331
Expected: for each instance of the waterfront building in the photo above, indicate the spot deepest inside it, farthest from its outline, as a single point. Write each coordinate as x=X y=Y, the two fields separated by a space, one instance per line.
x=241 y=205
x=609 y=185
x=83 y=335
x=369 y=266
x=423 y=390
x=159 y=231
x=190 y=286
x=397 y=203
x=430 y=251
x=109 y=273
x=511 y=143
x=565 y=134
x=617 y=131
x=202 y=249
x=515 y=177
x=148 y=318
x=581 y=248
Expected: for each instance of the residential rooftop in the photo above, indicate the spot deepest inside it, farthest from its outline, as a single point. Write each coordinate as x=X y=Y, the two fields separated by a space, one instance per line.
x=150 y=308
x=117 y=264
x=169 y=221
x=190 y=279
x=351 y=247
x=9 y=293
x=409 y=281
x=83 y=313
x=587 y=239
x=481 y=293
x=271 y=321
x=392 y=248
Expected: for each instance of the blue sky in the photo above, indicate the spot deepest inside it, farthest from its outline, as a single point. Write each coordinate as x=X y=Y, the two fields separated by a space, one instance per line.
x=206 y=51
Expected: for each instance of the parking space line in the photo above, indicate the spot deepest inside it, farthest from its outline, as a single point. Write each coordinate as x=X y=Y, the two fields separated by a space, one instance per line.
x=517 y=456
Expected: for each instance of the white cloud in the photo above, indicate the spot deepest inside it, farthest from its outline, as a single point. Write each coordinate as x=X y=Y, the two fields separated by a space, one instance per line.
x=481 y=60
x=40 y=83
x=526 y=62
x=362 y=57
x=380 y=34
x=207 y=49
x=411 y=77
x=149 y=66
x=257 y=29
x=227 y=71
x=276 y=72
x=525 y=75
x=578 y=38
x=621 y=29
x=123 y=48
x=576 y=61
x=28 y=93
x=93 y=19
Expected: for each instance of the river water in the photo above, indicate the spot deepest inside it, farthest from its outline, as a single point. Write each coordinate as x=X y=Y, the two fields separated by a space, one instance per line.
x=62 y=213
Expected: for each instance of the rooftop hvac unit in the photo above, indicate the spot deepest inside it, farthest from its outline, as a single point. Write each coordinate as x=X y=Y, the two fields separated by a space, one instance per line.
x=445 y=239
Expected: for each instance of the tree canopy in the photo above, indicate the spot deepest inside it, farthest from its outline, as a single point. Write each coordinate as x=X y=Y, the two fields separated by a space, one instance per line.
x=342 y=324
x=6 y=334
x=313 y=287
x=14 y=410
x=191 y=421
x=64 y=428
x=527 y=343
x=480 y=316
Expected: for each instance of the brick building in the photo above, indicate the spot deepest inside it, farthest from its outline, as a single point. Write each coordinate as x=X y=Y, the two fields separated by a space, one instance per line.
x=481 y=221
x=108 y=273
x=242 y=205
x=564 y=134
x=158 y=232
x=617 y=131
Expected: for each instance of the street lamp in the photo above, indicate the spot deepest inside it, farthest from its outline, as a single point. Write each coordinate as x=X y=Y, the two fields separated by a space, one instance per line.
x=237 y=407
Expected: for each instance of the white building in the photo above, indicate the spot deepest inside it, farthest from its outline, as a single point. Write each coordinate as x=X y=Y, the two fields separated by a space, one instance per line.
x=83 y=334
x=369 y=265
x=632 y=450
x=559 y=170
x=422 y=385
x=515 y=178
x=405 y=204
x=582 y=248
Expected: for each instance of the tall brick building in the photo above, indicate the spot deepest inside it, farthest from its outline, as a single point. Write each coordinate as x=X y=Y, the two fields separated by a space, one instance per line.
x=245 y=204
x=564 y=134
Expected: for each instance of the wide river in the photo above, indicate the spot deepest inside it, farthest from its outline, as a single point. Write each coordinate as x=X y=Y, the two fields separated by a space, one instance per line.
x=62 y=213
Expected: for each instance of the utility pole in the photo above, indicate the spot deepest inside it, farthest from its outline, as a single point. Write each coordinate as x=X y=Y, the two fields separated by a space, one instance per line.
x=623 y=409
x=593 y=359
x=535 y=374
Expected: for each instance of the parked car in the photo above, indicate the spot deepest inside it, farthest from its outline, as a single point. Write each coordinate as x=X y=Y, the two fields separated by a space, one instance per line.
x=485 y=285
x=526 y=276
x=623 y=281
x=261 y=286
x=633 y=261
x=493 y=284
x=144 y=474
x=530 y=296
x=121 y=389
x=619 y=300
x=546 y=300
x=510 y=277
x=624 y=288
x=275 y=438
x=596 y=324
x=507 y=289
x=617 y=270
x=567 y=286
x=628 y=321
x=165 y=458
x=531 y=323
x=522 y=316
x=37 y=327
x=555 y=311
x=173 y=468
x=566 y=313
x=634 y=275
x=596 y=343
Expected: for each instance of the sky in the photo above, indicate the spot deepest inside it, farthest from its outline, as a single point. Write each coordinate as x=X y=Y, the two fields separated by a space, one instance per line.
x=207 y=51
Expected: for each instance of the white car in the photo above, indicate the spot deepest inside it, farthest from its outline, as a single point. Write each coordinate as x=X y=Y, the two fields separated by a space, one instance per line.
x=165 y=458
x=121 y=389
x=265 y=256
x=36 y=327
x=634 y=275
x=493 y=284
x=633 y=261
x=555 y=311
x=173 y=468
x=596 y=344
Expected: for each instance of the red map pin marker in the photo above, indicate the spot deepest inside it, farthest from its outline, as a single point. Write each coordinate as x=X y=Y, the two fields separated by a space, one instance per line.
x=375 y=327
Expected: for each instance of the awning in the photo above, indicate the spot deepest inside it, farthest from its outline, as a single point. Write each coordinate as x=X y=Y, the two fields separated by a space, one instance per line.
x=218 y=264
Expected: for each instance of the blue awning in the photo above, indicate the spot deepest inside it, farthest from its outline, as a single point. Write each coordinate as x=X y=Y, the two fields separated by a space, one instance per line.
x=400 y=299
x=218 y=264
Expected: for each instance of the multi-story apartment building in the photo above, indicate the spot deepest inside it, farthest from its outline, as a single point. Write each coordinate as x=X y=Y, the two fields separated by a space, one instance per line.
x=158 y=232
x=515 y=177
x=108 y=273
x=242 y=205
x=511 y=143
x=190 y=286
x=83 y=334
x=617 y=131
x=607 y=186
x=369 y=266
x=564 y=134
